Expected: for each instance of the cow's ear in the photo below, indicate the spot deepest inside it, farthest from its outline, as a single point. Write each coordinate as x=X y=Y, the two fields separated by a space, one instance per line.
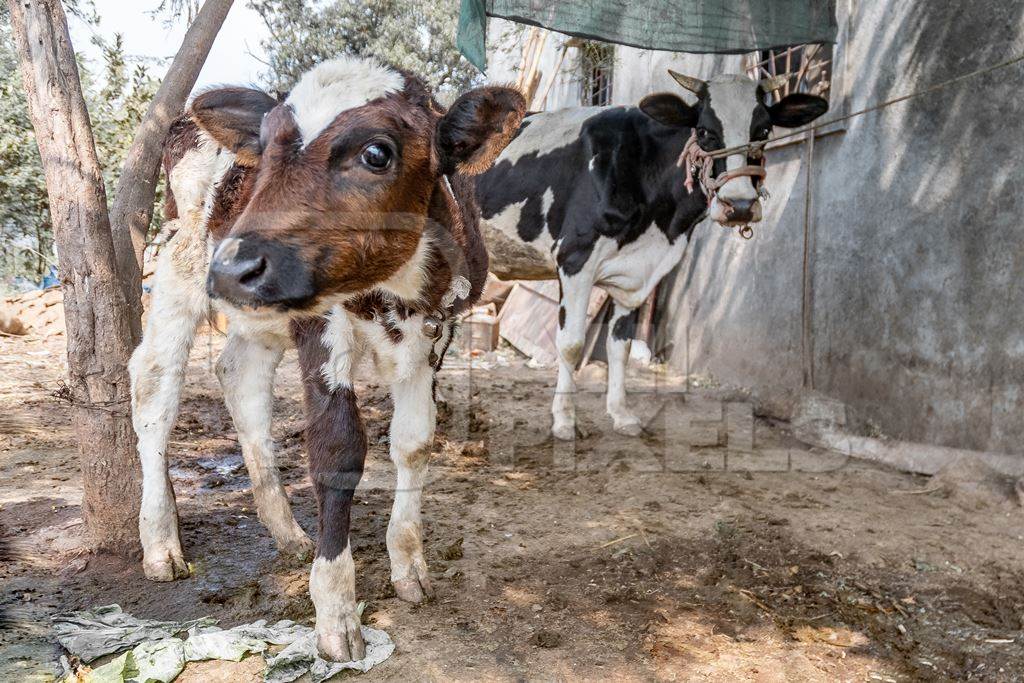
x=477 y=128
x=797 y=109
x=232 y=117
x=669 y=110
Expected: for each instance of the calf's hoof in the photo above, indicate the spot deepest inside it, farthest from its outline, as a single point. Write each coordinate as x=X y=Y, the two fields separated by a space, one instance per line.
x=414 y=590
x=300 y=547
x=341 y=642
x=165 y=565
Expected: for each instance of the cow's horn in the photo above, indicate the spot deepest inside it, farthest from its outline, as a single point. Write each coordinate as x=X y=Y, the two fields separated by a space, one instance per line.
x=773 y=83
x=694 y=85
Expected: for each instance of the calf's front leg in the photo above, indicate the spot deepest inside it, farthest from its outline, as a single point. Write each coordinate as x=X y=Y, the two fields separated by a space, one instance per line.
x=157 y=370
x=246 y=371
x=412 y=435
x=336 y=444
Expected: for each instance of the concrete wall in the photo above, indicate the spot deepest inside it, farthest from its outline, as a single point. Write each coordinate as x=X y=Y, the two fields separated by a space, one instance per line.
x=916 y=266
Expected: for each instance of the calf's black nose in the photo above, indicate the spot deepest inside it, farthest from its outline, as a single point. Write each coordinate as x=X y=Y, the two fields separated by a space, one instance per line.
x=243 y=274
x=256 y=272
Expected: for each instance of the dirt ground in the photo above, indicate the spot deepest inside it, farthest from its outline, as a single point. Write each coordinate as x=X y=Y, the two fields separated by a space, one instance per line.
x=616 y=559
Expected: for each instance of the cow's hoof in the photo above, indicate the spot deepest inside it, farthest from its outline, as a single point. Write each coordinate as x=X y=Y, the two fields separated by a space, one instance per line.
x=564 y=432
x=629 y=427
x=413 y=590
x=343 y=643
x=165 y=565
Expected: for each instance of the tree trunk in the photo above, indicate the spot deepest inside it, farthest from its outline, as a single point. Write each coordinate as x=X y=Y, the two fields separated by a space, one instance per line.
x=96 y=313
x=100 y=270
x=132 y=208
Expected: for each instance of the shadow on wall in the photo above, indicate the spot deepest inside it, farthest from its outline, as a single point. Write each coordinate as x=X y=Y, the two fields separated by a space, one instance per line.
x=918 y=305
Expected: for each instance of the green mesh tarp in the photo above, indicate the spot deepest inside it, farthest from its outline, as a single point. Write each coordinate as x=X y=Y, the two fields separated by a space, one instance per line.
x=721 y=26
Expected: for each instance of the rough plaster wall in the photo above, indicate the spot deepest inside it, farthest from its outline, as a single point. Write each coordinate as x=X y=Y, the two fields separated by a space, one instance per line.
x=638 y=73
x=920 y=305
x=505 y=41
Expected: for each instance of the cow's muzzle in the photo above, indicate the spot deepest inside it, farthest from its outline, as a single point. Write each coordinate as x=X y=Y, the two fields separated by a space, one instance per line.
x=733 y=212
x=252 y=272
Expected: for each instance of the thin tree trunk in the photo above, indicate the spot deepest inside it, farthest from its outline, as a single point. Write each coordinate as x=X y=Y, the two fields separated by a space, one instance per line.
x=97 y=315
x=132 y=208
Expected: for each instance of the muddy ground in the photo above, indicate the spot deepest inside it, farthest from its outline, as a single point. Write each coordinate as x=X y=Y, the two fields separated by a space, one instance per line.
x=632 y=559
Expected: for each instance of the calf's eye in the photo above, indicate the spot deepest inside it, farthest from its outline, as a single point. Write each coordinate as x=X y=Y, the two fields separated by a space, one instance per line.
x=376 y=157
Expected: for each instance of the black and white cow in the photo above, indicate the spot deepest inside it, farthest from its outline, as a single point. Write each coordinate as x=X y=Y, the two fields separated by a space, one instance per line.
x=596 y=196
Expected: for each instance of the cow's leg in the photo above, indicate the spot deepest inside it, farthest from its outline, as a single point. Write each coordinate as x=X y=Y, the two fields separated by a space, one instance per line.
x=620 y=332
x=412 y=435
x=246 y=371
x=157 y=370
x=572 y=330
x=336 y=444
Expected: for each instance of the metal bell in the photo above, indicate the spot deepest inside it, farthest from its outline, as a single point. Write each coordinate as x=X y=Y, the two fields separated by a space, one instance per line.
x=432 y=327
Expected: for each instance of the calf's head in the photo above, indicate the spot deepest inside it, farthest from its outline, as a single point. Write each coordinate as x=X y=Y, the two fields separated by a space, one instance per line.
x=730 y=111
x=338 y=178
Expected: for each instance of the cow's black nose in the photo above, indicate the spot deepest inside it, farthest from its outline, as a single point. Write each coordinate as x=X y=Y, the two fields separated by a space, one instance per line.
x=256 y=272
x=742 y=209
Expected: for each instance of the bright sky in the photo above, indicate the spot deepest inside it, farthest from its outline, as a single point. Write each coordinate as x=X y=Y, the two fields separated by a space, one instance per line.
x=231 y=60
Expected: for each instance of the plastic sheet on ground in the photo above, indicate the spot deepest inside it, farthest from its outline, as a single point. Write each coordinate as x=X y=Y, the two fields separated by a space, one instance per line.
x=90 y=634
x=150 y=652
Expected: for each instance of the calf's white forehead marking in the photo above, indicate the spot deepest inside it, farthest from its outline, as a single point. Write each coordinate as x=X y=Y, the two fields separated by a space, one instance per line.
x=335 y=86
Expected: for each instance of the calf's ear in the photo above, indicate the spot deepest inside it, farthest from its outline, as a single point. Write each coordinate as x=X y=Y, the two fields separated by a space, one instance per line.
x=232 y=117
x=669 y=110
x=477 y=127
x=797 y=109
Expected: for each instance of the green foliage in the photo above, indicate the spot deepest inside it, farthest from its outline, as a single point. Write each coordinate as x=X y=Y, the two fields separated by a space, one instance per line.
x=417 y=36
x=116 y=108
x=25 y=235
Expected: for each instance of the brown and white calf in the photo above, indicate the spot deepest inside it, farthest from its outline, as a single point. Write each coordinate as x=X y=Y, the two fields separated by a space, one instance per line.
x=341 y=220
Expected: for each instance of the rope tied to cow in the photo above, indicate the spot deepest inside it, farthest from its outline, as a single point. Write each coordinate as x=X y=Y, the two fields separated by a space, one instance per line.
x=699 y=164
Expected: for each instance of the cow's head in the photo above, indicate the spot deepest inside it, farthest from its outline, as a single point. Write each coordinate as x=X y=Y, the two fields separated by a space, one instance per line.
x=730 y=112
x=340 y=179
